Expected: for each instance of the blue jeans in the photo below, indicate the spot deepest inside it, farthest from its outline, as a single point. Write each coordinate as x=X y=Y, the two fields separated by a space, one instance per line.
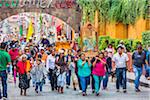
x=138 y=73
x=147 y=68
x=80 y=88
x=39 y=84
x=68 y=77
x=105 y=80
x=3 y=76
x=84 y=81
x=93 y=82
x=121 y=78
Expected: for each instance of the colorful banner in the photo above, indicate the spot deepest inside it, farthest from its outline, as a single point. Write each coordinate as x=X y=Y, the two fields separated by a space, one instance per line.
x=30 y=31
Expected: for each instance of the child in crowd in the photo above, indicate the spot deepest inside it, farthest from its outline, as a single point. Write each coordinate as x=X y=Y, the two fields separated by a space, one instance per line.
x=40 y=72
x=73 y=74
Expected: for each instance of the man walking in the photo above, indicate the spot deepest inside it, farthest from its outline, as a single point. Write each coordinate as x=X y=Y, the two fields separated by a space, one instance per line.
x=4 y=61
x=139 y=59
x=120 y=60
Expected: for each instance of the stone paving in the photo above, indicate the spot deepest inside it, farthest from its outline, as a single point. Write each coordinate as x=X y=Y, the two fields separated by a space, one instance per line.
x=69 y=94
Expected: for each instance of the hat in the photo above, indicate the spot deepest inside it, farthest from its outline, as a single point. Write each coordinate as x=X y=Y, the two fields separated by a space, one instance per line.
x=121 y=41
x=42 y=48
x=24 y=56
x=30 y=38
x=26 y=48
x=44 y=36
x=61 y=51
x=120 y=46
x=13 y=46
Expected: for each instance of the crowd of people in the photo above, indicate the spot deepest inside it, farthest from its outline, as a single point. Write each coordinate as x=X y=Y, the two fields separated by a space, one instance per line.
x=33 y=63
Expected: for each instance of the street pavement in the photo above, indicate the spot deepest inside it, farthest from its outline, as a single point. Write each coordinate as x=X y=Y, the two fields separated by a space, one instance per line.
x=69 y=94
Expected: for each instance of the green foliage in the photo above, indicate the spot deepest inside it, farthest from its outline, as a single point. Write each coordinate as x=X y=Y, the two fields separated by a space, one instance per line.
x=105 y=40
x=78 y=40
x=134 y=44
x=125 y=11
x=146 y=38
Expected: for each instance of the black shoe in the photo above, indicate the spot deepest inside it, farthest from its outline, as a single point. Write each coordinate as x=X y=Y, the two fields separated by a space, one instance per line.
x=93 y=91
x=36 y=91
x=75 y=89
x=53 y=89
x=97 y=94
x=67 y=87
x=137 y=90
x=124 y=91
x=21 y=92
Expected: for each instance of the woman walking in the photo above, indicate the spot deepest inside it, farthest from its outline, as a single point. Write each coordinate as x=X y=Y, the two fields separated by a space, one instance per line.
x=61 y=75
x=108 y=70
x=84 y=72
x=98 y=71
x=23 y=75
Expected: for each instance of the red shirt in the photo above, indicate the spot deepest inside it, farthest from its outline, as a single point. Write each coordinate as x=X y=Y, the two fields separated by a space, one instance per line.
x=22 y=67
x=14 y=54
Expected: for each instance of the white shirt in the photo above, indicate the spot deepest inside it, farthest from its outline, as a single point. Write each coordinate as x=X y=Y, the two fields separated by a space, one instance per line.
x=50 y=63
x=120 y=60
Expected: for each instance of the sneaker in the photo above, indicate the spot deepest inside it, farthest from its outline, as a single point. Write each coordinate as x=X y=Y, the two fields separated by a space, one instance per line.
x=137 y=90
x=84 y=94
x=4 y=98
x=80 y=91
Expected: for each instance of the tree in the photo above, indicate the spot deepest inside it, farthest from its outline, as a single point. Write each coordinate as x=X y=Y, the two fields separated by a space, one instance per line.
x=126 y=11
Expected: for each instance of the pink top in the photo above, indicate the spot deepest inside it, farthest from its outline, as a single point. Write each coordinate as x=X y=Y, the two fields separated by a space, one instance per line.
x=99 y=69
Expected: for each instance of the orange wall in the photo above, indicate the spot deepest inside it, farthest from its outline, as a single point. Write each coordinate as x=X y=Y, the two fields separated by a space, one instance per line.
x=110 y=27
x=135 y=31
x=120 y=31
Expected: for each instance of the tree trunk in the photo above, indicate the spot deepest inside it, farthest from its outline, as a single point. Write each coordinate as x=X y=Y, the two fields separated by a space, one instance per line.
x=96 y=26
x=127 y=28
x=105 y=23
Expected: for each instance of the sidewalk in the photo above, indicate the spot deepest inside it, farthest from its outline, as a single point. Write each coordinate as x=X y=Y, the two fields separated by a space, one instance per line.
x=143 y=80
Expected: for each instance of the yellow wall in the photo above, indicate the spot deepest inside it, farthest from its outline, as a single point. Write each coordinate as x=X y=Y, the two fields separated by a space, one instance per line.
x=122 y=31
x=110 y=29
x=135 y=31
